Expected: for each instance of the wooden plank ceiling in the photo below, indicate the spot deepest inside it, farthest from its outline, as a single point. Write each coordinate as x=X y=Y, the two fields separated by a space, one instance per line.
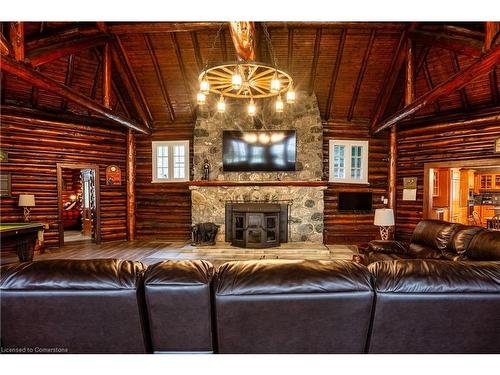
x=345 y=64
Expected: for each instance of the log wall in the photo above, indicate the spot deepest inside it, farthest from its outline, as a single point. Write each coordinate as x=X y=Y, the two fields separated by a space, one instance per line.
x=355 y=228
x=34 y=148
x=163 y=209
x=434 y=142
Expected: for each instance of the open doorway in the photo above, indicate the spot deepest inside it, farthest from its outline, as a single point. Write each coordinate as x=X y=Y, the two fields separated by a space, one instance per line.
x=466 y=192
x=78 y=203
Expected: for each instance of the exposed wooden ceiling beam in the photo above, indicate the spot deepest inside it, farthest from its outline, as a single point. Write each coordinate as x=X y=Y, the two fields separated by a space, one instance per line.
x=197 y=51
x=68 y=80
x=123 y=67
x=314 y=65
x=454 y=30
x=168 y=27
x=290 y=51
x=390 y=78
x=483 y=66
x=5 y=46
x=494 y=87
x=223 y=45
x=17 y=40
x=335 y=73
x=53 y=52
x=409 y=94
x=361 y=74
x=456 y=68
x=35 y=78
x=459 y=44
x=492 y=36
x=59 y=35
x=182 y=67
x=430 y=85
x=159 y=77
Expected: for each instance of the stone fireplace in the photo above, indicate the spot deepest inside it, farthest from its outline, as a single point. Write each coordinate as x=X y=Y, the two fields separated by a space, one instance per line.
x=301 y=190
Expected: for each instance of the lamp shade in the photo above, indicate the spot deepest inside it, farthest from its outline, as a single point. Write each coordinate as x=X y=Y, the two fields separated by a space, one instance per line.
x=26 y=200
x=384 y=217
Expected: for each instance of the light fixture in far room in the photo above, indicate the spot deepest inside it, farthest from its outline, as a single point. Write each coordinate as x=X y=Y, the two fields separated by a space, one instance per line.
x=384 y=218
x=26 y=201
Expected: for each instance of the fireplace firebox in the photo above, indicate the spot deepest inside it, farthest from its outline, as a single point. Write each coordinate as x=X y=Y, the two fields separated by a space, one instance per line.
x=256 y=225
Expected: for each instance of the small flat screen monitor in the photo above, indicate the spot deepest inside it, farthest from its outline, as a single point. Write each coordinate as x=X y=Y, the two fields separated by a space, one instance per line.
x=259 y=151
x=355 y=202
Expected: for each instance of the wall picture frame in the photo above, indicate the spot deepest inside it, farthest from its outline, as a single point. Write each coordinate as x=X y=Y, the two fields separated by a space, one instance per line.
x=113 y=175
x=497 y=146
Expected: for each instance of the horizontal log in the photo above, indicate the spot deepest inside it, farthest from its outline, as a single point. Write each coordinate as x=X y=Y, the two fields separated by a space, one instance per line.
x=459 y=44
x=39 y=80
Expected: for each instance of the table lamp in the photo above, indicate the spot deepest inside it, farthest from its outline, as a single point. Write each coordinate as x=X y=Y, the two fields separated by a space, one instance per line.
x=384 y=218
x=26 y=201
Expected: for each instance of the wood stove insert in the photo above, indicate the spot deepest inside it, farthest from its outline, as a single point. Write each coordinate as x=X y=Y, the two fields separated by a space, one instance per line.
x=256 y=225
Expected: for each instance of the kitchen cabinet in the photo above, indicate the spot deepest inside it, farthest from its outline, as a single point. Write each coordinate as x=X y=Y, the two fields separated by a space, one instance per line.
x=485 y=212
x=489 y=181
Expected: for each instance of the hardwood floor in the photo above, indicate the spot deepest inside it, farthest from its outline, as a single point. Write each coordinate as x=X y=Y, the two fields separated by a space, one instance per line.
x=150 y=252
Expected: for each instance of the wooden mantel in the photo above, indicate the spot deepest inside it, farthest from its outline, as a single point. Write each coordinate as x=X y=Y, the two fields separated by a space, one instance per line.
x=257 y=183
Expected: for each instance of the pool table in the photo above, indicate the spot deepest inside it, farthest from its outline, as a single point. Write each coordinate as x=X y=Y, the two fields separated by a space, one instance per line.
x=22 y=237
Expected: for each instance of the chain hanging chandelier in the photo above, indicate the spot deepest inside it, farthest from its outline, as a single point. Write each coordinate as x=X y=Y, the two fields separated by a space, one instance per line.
x=245 y=79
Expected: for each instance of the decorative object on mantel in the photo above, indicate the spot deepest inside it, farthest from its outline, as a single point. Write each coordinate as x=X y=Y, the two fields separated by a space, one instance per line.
x=26 y=201
x=497 y=145
x=203 y=234
x=4 y=156
x=245 y=79
x=384 y=218
x=409 y=188
x=113 y=175
x=206 y=170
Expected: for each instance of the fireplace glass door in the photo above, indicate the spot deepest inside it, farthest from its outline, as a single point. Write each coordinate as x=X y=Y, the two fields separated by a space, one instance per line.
x=239 y=228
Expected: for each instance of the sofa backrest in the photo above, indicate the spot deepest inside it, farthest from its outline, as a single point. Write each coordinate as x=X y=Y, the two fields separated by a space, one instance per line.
x=432 y=236
x=484 y=246
x=429 y=306
x=73 y=306
x=292 y=307
x=462 y=237
x=178 y=299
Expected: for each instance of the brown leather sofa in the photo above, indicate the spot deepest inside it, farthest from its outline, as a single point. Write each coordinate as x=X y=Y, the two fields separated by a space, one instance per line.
x=113 y=306
x=435 y=239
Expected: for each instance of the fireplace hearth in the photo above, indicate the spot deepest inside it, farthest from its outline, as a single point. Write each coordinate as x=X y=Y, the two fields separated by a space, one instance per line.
x=256 y=225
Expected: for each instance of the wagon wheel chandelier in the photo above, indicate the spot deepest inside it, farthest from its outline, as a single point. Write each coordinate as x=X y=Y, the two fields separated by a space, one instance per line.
x=245 y=79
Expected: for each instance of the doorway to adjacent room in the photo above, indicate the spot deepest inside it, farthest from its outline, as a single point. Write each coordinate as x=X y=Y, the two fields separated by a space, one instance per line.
x=78 y=203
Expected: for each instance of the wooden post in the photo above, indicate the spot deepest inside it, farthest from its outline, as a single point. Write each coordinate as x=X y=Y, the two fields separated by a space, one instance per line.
x=131 y=149
x=17 y=40
x=106 y=75
x=492 y=35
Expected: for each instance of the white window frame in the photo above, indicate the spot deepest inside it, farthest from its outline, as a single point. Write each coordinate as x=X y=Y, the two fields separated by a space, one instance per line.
x=170 y=145
x=348 y=143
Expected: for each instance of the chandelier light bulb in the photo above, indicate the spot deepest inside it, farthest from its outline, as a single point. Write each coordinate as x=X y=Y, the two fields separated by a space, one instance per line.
x=201 y=98
x=279 y=105
x=275 y=83
x=290 y=96
x=236 y=80
x=221 y=105
x=252 y=109
x=204 y=86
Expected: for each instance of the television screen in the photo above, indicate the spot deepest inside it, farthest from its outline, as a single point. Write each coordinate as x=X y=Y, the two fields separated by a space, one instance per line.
x=259 y=151
x=355 y=202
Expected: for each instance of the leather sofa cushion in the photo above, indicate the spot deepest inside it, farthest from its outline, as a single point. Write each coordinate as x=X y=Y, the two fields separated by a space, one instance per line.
x=63 y=274
x=382 y=246
x=293 y=307
x=484 y=246
x=290 y=276
x=432 y=234
x=378 y=257
x=462 y=238
x=432 y=306
x=74 y=306
x=179 y=305
x=434 y=276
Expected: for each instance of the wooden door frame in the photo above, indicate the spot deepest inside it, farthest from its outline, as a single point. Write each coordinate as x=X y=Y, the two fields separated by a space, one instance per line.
x=469 y=163
x=95 y=167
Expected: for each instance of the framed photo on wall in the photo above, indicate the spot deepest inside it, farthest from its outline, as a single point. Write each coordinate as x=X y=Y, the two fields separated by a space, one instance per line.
x=497 y=145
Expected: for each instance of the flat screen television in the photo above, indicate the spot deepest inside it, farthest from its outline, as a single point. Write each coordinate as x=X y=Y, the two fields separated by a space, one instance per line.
x=354 y=202
x=259 y=151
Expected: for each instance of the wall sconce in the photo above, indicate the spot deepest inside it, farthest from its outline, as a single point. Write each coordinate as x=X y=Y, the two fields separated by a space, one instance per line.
x=26 y=201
